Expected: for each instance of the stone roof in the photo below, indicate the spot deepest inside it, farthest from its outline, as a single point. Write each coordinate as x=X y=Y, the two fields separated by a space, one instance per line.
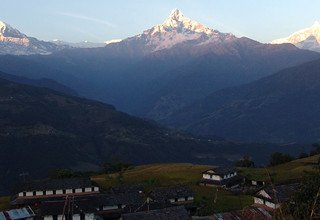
x=172 y=213
x=163 y=194
x=279 y=193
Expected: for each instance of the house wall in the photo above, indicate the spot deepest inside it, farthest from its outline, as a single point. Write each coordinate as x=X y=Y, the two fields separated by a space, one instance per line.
x=39 y=193
x=76 y=217
x=48 y=217
x=258 y=201
x=211 y=177
x=89 y=216
x=58 y=192
x=190 y=198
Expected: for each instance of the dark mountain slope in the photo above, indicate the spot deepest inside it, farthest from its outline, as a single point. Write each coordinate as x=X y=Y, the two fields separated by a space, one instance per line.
x=46 y=83
x=41 y=130
x=283 y=107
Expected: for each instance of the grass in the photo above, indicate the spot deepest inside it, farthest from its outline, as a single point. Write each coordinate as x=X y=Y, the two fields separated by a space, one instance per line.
x=159 y=174
x=293 y=170
x=4 y=203
x=179 y=174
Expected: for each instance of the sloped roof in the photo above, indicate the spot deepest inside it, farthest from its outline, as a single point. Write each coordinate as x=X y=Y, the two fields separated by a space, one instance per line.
x=221 y=171
x=172 y=213
x=279 y=193
x=15 y=214
x=162 y=194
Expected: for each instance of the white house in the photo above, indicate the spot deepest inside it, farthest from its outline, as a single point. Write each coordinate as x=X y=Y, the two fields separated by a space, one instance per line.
x=273 y=196
x=55 y=188
x=221 y=177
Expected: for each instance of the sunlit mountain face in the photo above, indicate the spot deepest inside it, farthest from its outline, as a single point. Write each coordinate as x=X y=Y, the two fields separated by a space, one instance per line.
x=308 y=38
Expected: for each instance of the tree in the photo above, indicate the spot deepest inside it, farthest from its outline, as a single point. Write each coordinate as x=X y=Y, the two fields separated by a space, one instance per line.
x=316 y=149
x=305 y=203
x=279 y=158
x=114 y=166
x=63 y=174
x=245 y=162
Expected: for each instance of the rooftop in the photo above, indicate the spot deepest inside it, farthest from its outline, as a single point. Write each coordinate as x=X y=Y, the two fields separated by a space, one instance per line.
x=172 y=213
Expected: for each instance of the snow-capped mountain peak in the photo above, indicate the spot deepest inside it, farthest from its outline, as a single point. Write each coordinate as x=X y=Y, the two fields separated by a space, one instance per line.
x=308 y=38
x=177 y=29
x=177 y=20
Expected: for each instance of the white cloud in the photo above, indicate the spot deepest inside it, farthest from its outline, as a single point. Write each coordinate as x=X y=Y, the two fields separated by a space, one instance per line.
x=83 y=17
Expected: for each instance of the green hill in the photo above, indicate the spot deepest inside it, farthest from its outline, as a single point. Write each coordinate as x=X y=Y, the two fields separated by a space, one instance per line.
x=291 y=171
x=156 y=175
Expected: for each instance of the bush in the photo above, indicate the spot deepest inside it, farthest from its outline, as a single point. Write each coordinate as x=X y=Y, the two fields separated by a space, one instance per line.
x=244 y=162
x=115 y=166
x=306 y=200
x=280 y=158
x=64 y=174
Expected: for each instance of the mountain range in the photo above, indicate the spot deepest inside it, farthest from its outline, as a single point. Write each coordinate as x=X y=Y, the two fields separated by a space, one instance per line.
x=280 y=108
x=43 y=126
x=163 y=69
x=66 y=109
x=308 y=38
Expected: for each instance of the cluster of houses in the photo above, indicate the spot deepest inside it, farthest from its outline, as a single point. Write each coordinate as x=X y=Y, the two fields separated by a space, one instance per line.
x=82 y=199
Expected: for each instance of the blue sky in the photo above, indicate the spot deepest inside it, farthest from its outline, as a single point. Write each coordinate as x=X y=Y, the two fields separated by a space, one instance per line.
x=100 y=20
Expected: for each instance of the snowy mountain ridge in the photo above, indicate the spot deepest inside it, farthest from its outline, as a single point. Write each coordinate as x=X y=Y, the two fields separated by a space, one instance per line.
x=308 y=38
x=178 y=29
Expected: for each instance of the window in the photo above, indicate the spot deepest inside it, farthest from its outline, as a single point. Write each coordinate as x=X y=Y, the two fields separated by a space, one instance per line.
x=92 y=189
x=64 y=191
x=83 y=189
x=186 y=198
x=176 y=199
x=24 y=193
x=34 y=193
x=82 y=216
x=54 y=217
x=54 y=192
x=73 y=190
x=44 y=192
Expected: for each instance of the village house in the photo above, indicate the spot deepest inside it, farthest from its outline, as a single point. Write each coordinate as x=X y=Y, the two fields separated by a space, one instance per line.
x=45 y=189
x=273 y=196
x=226 y=178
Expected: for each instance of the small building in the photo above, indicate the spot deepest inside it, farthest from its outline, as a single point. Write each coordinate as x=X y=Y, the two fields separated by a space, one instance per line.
x=273 y=196
x=25 y=213
x=171 y=213
x=44 y=189
x=174 y=195
x=227 y=178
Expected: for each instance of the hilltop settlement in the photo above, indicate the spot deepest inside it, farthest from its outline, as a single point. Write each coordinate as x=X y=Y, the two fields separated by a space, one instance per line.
x=81 y=198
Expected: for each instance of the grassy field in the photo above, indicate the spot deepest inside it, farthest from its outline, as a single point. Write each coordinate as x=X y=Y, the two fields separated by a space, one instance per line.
x=179 y=174
x=293 y=170
x=209 y=199
x=4 y=203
